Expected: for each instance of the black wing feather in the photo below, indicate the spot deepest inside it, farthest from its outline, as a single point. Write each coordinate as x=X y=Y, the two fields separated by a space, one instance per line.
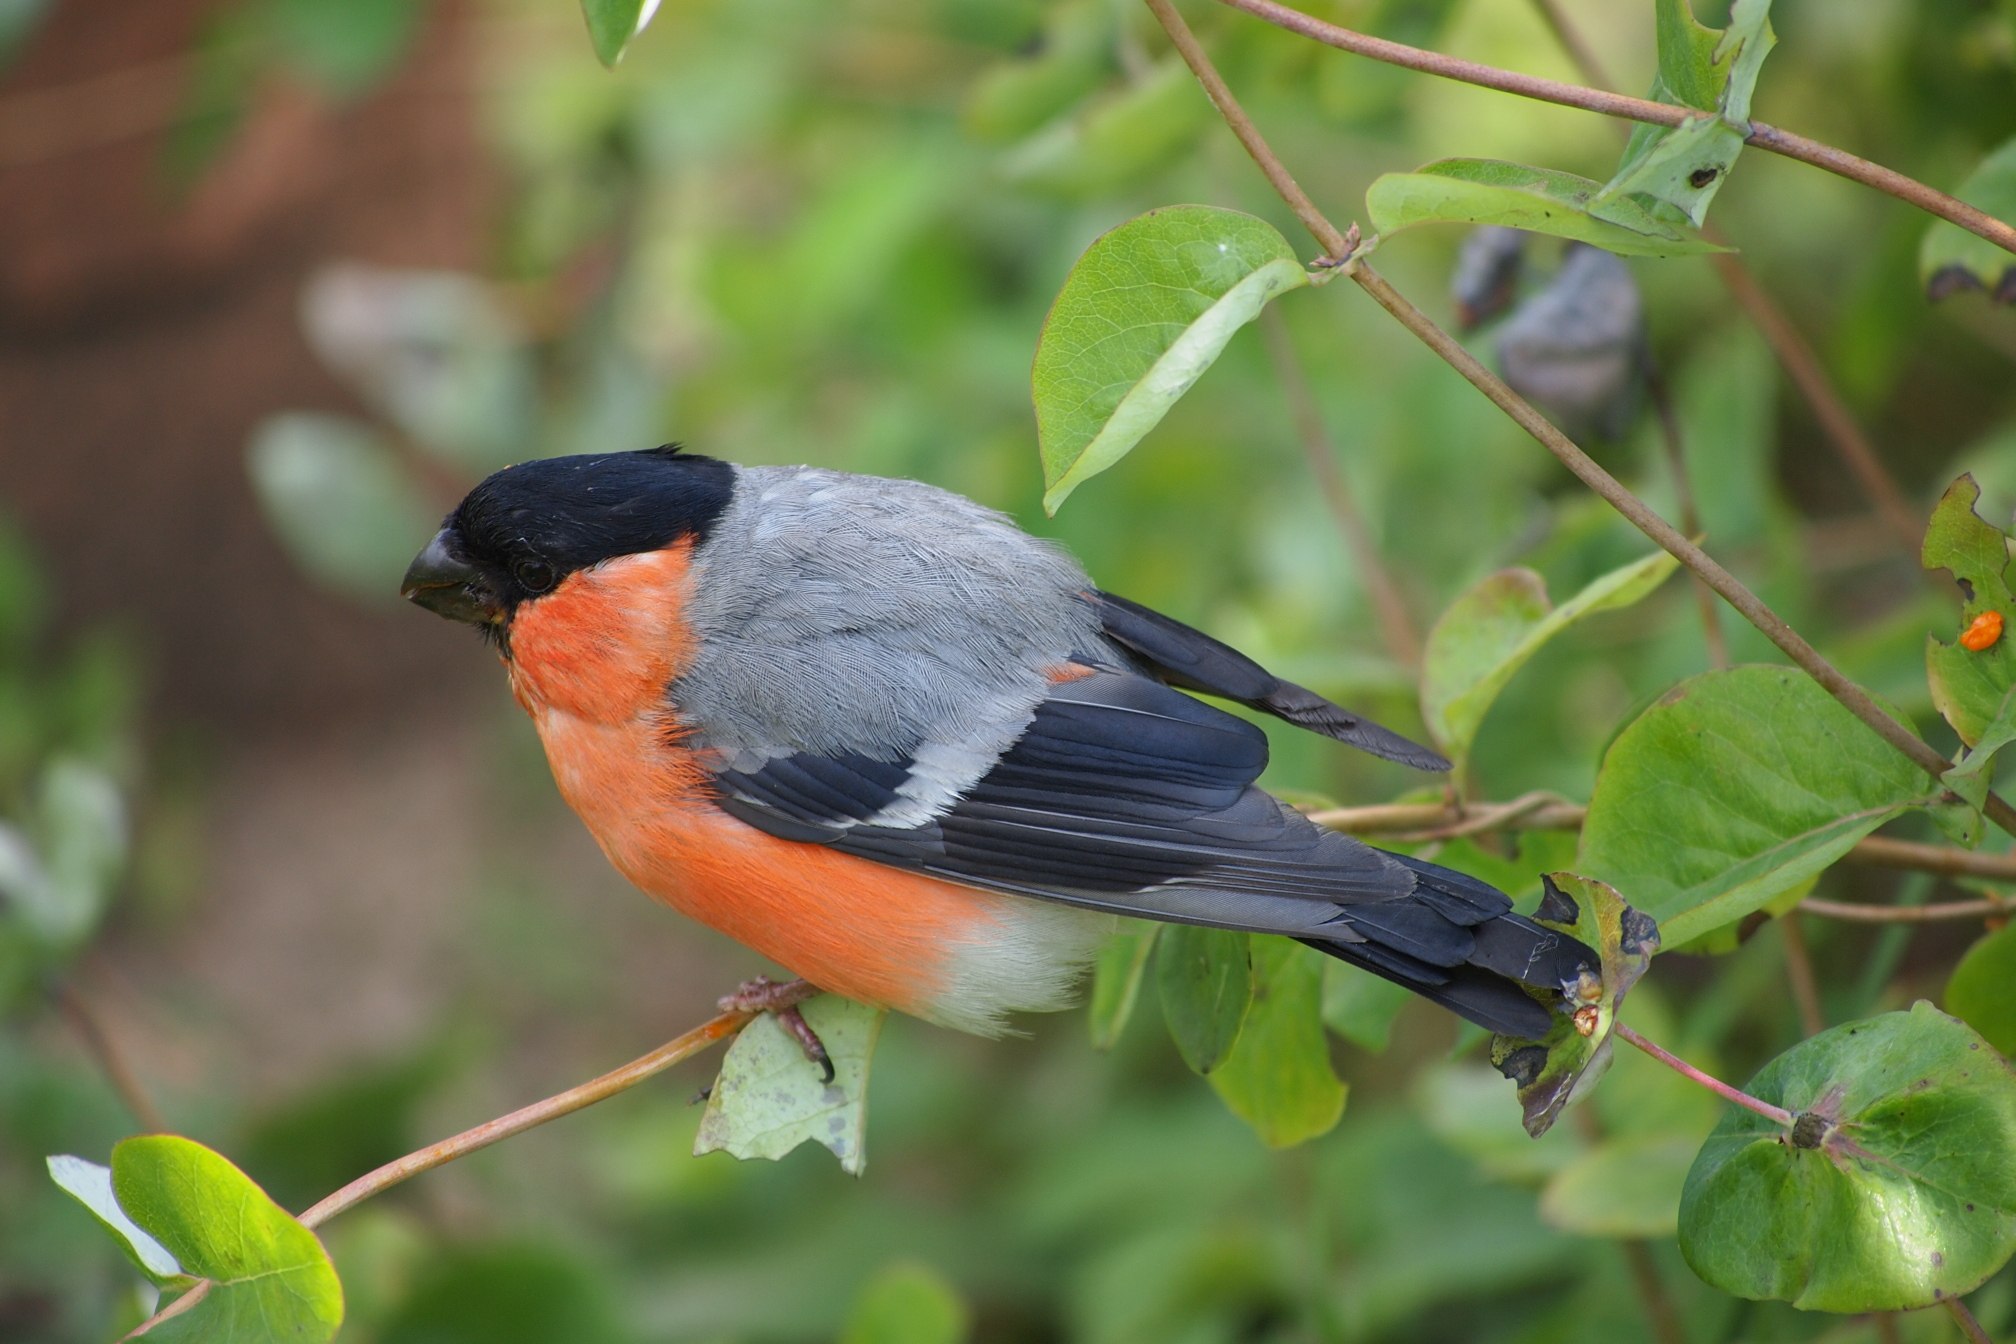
x=1125 y=795
x=1194 y=661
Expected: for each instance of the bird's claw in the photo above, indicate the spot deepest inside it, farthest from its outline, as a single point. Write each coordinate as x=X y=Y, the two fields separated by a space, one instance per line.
x=780 y=999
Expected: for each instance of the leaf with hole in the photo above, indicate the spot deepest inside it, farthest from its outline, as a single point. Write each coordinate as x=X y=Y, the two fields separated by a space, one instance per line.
x=770 y=1098
x=1539 y=200
x=269 y=1277
x=1560 y=1068
x=1970 y=684
x=1278 y=1077
x=1146 y=310
x=1952 y=260
x=1495 y=627
x=1733 y=789
x=1205 y=978
x=1682 y=167
x=1895 y=1188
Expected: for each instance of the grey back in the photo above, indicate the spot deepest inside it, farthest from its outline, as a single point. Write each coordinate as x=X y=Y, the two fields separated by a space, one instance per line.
x=836 y=613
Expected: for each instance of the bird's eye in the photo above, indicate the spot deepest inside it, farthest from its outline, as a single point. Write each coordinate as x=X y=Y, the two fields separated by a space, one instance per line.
x=534 y=576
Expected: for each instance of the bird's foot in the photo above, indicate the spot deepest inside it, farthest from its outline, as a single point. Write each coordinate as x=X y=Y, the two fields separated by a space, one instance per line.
x=780 y=999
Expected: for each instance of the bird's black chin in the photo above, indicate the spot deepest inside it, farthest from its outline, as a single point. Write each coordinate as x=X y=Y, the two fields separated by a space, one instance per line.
x=443 y=582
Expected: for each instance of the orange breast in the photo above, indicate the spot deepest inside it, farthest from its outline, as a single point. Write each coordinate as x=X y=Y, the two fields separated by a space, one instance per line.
x=590 y=662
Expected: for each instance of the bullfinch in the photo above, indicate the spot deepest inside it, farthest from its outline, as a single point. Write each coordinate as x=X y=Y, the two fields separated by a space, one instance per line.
x=890 y=741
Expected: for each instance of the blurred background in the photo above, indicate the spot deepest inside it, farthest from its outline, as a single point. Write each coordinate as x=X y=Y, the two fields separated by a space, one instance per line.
x=279 y=279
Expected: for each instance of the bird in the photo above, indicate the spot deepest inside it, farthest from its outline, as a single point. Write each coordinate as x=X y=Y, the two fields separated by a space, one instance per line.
x=899 y=746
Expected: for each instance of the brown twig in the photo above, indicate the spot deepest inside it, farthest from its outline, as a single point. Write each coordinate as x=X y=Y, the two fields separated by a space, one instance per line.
x=1965 y=1320
x=714 y=1030
x=1799 y=973
x=1396 y=624
x=1772 y=138
x=111 y=1059
x=1690 y=512
x=1907 y=914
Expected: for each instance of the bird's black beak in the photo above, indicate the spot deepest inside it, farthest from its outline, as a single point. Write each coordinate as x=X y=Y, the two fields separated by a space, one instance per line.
x=446 y=584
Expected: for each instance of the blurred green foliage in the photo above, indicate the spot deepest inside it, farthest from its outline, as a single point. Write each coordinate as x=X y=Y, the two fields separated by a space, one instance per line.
x=787 y=231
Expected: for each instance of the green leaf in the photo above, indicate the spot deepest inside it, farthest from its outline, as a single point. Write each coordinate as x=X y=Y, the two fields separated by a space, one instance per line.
x=1145 y=311
x=770 y=1097
x=1968 y=685
x=1561 y=1067
x=1495 y=627
x=1205 y=977
x=1116 y=982
x=1896 y=1187
x=1950 y=259
x=1278 y=1078
x=1359 y=1006
x=1539 y=200
x=1621 y=1188
x=1734 y=788
x=1982 y=992
x=908 y=1303
x=344 y=505
x=91 y=1185
x=270 y=1278
x=612 y=24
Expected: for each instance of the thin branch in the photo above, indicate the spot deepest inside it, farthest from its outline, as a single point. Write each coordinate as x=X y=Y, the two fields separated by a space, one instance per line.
x=1690 y=513
x=1396 y=624
x=538 y=1113
x=1734 y=1095
x=1965 y=1320
x=1880 y=851
x=1799 y=973
x=1771 y=138
x=1907 y=914
x=111 y=1060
